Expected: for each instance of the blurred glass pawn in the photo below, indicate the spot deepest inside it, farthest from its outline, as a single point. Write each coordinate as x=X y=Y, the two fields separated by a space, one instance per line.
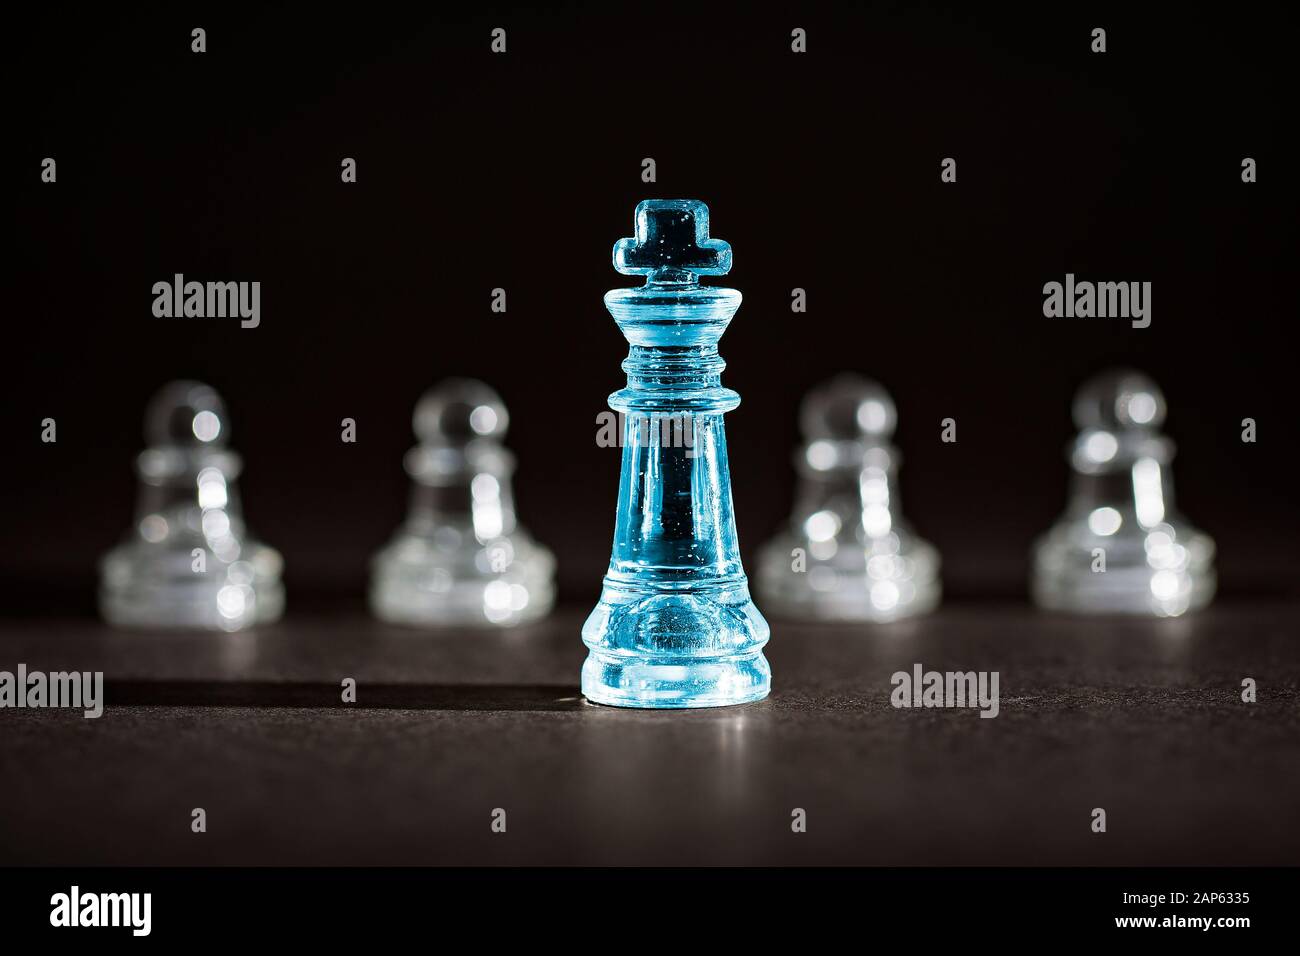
x=1120 y=547
x=461 y=558
x=189 y=562
x=846 y=554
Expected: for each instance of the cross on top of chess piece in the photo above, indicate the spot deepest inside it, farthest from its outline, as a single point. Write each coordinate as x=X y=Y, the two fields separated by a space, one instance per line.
x=672 y=243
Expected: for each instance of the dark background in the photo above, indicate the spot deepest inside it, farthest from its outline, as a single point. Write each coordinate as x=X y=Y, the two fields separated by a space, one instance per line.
x=520 y=171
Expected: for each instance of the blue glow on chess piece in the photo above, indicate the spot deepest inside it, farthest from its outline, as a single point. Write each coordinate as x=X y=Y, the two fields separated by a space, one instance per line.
x=675 y=626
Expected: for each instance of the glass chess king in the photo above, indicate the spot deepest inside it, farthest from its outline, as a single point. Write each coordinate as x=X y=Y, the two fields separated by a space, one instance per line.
x=675 y=625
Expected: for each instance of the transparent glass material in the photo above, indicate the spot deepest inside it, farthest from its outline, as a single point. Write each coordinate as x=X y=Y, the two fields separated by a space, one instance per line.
x=461 y=558
x=675 y=625
x=189 y=562
x=1120 y=547
x=847 y=554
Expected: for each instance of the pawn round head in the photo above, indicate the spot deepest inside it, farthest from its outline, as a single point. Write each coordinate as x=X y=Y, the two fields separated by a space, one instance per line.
x=848 y=408
x=1117 y=399
x=186 y=414
x=460 y=410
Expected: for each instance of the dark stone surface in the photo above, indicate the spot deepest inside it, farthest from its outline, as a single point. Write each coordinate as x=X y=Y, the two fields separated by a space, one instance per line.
x=1143 y=719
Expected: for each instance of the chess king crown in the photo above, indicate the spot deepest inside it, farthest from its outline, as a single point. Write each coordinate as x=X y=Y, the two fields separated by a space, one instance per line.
x=673 y=323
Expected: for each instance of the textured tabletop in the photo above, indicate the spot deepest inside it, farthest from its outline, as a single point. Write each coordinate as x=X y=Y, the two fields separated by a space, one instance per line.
x=1143 y=719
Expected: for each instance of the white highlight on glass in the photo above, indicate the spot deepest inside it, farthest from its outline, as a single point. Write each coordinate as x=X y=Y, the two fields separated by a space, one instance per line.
x=1148 y=492
x=1100 y=447
x=1142 y=407
x=1104 y=522
x=206 y=426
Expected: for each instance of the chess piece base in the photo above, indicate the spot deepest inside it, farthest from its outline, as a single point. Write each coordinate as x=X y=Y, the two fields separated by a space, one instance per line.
x=146 y=587
x=885 y=580
x=678 y=649
x=432 y=580
x=1173 y=576
x=645 y=683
